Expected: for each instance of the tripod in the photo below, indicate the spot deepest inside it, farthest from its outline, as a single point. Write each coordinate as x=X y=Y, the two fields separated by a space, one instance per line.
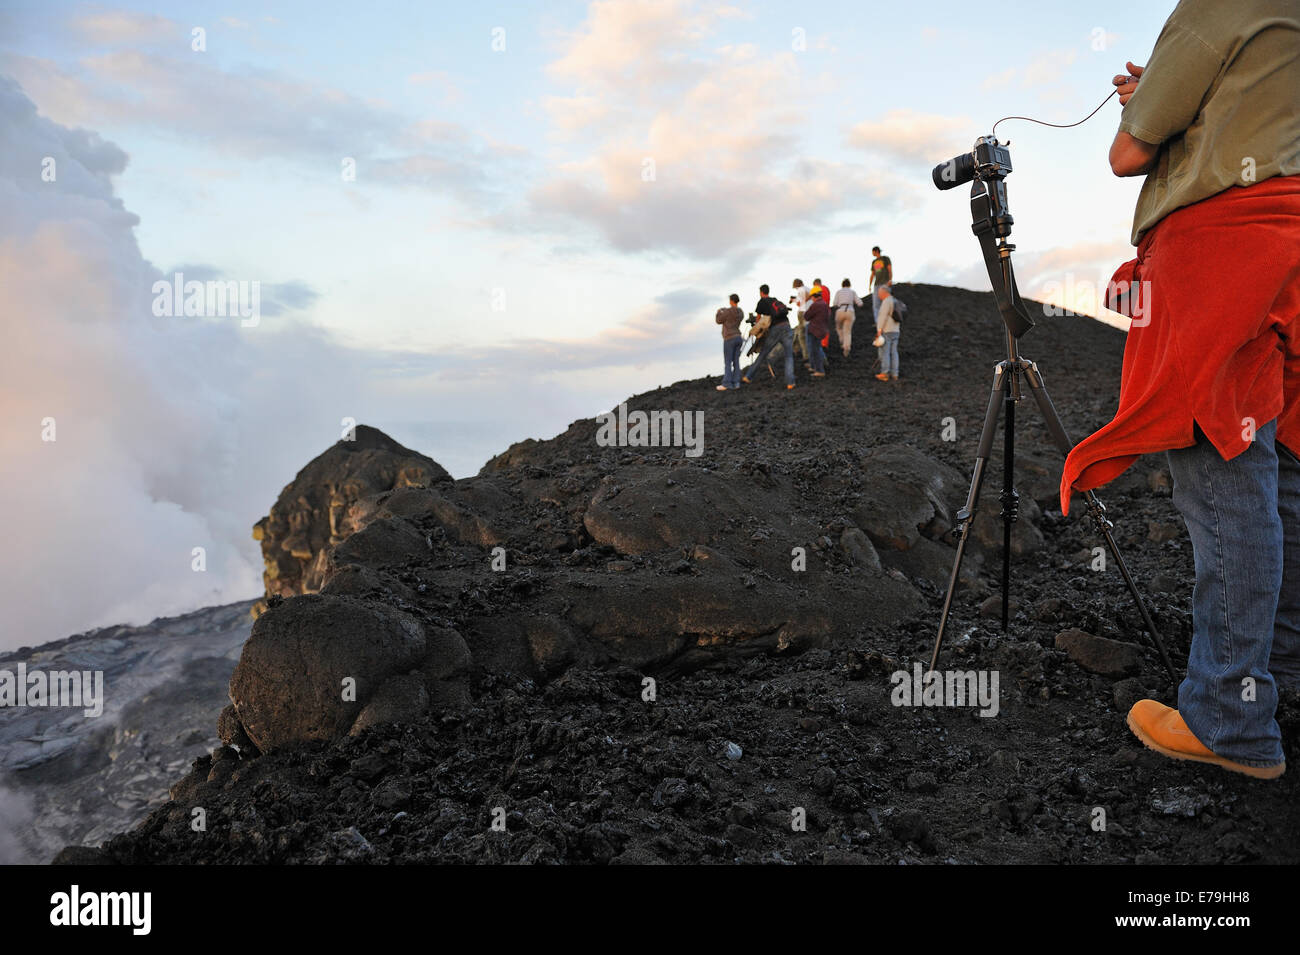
x=991 y=223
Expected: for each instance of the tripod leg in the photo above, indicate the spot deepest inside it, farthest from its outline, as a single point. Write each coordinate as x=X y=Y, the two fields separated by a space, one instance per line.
x=1096 y=510
x=967 y=514
x=1010 y=500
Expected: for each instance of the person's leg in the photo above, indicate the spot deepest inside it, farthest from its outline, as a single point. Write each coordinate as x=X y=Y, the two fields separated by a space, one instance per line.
x=787 y=336
x=800 y=345
x=1231 y=510
x=875 y=306
x=889 y=355
x=1284 y=662
x=816 y=355
x=731 y=362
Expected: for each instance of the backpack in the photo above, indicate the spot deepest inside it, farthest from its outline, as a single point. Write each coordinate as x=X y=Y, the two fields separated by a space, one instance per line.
x=779 y=310
x=900 y=310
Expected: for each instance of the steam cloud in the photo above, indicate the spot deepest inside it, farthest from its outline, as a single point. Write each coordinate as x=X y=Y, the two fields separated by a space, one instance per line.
x=171 y=433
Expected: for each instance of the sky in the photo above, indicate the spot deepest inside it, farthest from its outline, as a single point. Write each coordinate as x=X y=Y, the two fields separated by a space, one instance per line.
x=471 y=224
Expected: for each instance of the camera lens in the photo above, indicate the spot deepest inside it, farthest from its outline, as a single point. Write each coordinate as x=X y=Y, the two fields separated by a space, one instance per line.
x=954 y=172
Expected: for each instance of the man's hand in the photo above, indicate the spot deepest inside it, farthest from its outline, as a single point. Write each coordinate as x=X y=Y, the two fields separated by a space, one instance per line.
x=1127 y=84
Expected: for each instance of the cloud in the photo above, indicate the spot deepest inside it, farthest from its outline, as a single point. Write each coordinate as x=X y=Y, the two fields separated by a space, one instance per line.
x=686 y=144
x=1042 y=74
x=121 y=27
x=186 y=96
x=439 y=79
x=1000 y=80
x=914 y=137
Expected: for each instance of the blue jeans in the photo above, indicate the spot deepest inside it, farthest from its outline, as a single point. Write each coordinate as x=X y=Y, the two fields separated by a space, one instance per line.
x=875 y=302
x=731 y=361
x=815 y=353
x=1243 y=517
x=777 y=335
x=889 y=355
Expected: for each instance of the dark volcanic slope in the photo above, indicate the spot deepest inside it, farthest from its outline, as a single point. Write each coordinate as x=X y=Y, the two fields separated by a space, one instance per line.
x=585 y=770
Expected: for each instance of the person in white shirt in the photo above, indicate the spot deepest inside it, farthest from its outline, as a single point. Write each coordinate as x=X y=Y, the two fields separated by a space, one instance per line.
x=845 y=301
x=887 y=327
x=799 y=305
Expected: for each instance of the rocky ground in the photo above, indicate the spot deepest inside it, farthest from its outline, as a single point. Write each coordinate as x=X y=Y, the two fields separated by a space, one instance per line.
x=523 y=730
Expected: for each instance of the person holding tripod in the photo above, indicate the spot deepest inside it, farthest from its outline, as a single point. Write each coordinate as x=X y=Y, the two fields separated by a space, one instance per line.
x=778 y=333
x=1211 y=372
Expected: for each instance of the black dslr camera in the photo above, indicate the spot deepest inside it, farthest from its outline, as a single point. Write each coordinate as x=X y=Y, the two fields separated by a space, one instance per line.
x=989 y=159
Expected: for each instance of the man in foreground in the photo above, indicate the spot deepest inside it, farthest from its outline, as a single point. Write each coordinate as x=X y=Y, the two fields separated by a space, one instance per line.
x=1212 y=368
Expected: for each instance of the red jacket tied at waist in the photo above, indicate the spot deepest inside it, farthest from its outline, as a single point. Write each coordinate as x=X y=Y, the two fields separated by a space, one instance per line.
x=1215 y=305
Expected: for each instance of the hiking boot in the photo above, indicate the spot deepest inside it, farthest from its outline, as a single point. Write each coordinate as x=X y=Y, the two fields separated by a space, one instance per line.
x=722 y=387
x=1162 y=729
x=744 y=381
x=789 y=387
x=882 y=377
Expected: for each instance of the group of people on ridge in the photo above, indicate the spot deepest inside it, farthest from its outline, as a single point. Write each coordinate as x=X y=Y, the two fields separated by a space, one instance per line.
x=810 y=336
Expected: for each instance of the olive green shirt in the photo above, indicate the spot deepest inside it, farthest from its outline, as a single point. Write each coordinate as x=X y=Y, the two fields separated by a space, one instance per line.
x=1221 y=96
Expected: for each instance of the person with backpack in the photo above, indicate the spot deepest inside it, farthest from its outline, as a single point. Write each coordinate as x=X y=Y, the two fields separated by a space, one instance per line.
x=887 y=329
x=846 y=301
x=818 y=315
x=730 y=317
x=778 y=333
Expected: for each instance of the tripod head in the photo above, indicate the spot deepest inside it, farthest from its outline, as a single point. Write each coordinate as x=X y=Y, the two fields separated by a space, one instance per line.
x=986 y=167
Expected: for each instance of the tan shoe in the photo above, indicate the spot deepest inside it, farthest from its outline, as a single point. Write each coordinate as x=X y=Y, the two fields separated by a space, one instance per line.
x=1162 y=729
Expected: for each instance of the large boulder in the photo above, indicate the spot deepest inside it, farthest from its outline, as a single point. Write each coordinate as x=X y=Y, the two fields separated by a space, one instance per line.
x=289 y=685
x=309 y=517
x=688 y=505
x=427 y=506
x=911 y=495
x=681 y=624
